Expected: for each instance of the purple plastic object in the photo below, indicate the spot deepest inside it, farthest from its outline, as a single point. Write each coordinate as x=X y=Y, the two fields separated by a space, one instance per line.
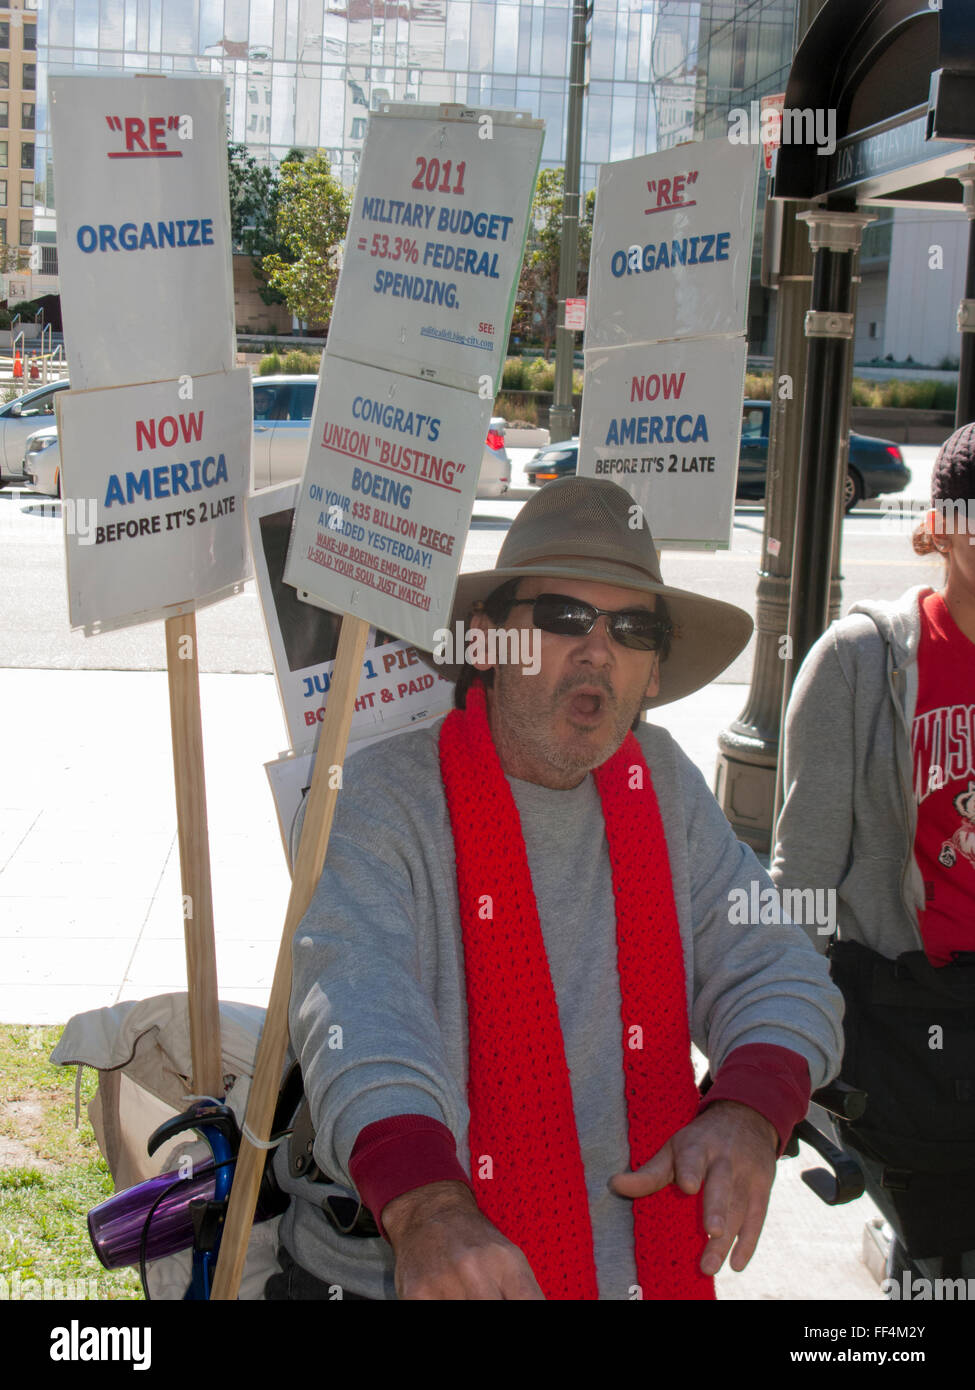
x=116 y=1226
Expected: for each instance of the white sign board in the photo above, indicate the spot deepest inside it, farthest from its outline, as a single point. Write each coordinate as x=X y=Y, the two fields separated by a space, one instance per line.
x=143 y=227
x=395 y=688
x=435 y=243
x=575 y=314
x=160 y=479
x=386 y=497
x=664 y=421
x=672 y=245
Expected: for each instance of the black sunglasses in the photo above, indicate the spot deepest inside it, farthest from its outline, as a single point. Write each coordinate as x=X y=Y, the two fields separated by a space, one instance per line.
x=636 y=628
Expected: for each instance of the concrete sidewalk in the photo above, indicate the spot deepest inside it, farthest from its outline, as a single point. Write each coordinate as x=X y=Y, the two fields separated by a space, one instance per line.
x=90 y=897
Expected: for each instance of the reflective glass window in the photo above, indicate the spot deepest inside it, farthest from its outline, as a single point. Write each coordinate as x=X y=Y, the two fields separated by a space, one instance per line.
x=112 y=24
x=482 y=36
x=555 y=48
x=506 y=38
x=5 y=33
x=86 y=23
x=458 y=30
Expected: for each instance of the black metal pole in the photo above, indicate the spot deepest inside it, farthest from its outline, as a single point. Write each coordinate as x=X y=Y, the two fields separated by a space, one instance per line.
x=835 y=237
x=561 y=417
x=965 y=405
x=819 y=459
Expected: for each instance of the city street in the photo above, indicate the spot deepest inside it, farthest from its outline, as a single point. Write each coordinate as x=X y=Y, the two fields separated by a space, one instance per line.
x=877 y=562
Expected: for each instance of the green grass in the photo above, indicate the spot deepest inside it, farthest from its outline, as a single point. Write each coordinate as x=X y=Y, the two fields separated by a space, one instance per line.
x=56 y=1176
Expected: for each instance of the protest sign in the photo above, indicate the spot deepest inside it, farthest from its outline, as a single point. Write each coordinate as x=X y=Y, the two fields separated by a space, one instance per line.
x=672 y=245
x=155 y=435
x=386 y=497
x=143 y=227
x=664 y=420
x=665 y=335
x=163 y=477
x=435 y=242
x=394 y=689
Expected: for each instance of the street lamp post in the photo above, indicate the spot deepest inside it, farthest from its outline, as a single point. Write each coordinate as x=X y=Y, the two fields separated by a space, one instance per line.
x=561 y=415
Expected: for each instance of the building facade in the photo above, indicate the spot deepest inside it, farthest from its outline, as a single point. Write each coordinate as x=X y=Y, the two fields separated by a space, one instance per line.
x=307 y=73
x=18 y=121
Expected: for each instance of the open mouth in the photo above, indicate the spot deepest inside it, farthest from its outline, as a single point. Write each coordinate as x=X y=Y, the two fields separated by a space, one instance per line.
x=586 y=706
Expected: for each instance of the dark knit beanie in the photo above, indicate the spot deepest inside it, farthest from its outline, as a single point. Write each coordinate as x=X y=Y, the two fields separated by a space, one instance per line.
x=953 y=475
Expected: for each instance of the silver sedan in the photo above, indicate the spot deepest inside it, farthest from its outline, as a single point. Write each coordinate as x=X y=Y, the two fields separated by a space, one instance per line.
x=283 y=408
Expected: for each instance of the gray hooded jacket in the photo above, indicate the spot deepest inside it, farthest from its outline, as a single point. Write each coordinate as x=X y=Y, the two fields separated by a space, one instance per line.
x=849 y=816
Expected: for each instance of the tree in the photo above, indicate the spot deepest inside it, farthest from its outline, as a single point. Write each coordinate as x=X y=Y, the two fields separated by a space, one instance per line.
x=312 y=217
x=537 y=302
x=254 y=190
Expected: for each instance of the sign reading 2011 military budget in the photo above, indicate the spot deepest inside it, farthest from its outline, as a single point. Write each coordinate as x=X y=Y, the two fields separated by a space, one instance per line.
x=142 y=206
x=435 y=243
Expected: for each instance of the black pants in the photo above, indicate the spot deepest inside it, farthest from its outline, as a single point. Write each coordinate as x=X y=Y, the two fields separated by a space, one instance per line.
x=295 y=1284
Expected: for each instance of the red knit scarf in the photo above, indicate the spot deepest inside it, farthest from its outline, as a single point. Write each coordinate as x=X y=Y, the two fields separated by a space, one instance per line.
x=526 y=1163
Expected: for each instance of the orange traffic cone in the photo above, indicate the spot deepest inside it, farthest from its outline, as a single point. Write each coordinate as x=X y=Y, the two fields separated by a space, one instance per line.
x=18 y=366
x=34 y=371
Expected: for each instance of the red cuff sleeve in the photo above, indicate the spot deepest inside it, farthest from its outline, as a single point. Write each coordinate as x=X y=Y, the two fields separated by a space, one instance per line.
x=396 y=1155
x=772 y=1080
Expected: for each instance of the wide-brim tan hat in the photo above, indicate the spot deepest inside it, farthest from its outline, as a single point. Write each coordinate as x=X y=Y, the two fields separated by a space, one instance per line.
x=584 y=528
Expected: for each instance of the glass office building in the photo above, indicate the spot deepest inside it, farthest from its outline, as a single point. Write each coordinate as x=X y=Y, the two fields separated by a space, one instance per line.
x=307 y=73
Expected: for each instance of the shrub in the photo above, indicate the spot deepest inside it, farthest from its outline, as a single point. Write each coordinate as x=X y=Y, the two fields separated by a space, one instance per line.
x=541 y=374
x=514 y=377
x=271 y=366
x=758 y=386
x=300 y=363
x=517 y=411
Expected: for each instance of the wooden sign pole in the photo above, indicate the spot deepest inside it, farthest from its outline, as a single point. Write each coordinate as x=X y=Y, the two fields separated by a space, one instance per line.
x=194 y=854
x=274 y=1037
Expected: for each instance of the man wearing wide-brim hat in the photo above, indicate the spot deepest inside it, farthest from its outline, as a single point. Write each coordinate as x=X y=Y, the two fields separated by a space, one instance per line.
x=523 y=922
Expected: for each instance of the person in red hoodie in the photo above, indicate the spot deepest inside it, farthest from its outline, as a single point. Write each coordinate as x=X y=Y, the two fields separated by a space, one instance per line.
x=880 y=808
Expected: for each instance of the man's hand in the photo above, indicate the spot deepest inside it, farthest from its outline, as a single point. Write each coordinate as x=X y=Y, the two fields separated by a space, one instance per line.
x=731 y=1150
x=446 y=1249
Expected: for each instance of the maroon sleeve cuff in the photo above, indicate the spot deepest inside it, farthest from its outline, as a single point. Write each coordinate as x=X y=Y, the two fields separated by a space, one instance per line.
x=772 y=1080
x=394 y=1156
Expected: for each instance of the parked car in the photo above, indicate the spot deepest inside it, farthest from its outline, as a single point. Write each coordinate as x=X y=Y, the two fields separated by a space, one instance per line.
x=283 y=408
x=875 y=466
x=18 y=421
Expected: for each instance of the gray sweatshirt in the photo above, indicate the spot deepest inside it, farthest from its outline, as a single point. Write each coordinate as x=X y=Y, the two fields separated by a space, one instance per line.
x=379 y=957
x=849 y=816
